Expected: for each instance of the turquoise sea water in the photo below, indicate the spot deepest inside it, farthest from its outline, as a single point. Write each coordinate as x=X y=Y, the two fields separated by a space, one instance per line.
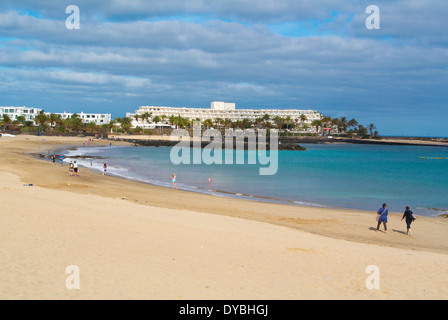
x=331 y=175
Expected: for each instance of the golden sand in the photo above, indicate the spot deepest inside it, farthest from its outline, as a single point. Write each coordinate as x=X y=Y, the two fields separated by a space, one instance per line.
x=132 y=240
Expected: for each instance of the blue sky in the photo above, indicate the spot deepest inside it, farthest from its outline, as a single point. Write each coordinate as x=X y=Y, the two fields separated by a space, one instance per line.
x=259 y=54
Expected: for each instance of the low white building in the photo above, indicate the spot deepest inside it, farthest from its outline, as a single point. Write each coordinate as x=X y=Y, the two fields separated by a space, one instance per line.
x=98 y=118
x=15 y=112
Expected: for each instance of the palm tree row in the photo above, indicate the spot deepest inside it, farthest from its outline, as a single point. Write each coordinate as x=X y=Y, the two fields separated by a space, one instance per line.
x=55 y=123
x=344 y=126
x=219 y=123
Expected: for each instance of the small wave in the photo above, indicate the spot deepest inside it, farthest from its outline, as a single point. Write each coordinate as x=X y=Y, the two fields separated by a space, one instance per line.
x=431 y=212
x=308 y=204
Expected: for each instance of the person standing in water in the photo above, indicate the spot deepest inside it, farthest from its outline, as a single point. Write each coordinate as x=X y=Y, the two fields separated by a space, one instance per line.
x=105 y=169
x=409 y=215
x=382 y=217
x=173 y=178
x=209 y=182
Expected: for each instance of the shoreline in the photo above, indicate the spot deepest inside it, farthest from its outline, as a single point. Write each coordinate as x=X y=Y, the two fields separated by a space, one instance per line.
x=132 y=240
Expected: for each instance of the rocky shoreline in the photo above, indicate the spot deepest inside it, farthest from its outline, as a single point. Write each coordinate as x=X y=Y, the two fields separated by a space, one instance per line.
x=295 y=143
x=283 y=144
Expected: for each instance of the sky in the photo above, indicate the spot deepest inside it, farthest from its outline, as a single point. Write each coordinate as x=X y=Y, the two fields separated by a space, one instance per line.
x=282 y=54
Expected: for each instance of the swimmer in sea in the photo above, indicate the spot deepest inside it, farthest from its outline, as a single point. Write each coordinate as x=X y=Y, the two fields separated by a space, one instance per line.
x=173 y=177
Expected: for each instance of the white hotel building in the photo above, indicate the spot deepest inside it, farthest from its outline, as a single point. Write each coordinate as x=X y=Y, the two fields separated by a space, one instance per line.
x=220 y=110
x=15 y=112
x=31 y=113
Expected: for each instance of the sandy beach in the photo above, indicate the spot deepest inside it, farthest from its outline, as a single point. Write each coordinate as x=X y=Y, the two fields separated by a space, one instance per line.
x=132 y=240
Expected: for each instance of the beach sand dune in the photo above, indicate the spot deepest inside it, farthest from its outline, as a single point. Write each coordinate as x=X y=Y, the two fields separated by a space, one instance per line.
x=135 y=241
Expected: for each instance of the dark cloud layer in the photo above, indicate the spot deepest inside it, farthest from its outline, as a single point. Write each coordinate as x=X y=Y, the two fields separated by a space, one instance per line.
x=187 y=53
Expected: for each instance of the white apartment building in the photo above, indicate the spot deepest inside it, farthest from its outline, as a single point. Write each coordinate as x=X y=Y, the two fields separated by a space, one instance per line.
x=219 y=110
x=98 y=118
x=31 y=113
x=15 y=112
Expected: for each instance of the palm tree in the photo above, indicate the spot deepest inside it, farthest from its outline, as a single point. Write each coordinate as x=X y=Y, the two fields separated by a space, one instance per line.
x=266 y=117
x=353 y=124
x=172 y=120
x=278 y=122
x=6 y=122
x=156 y=120
x=92 y=127
x=145 y=117
x=317 y=124
x=371 y=129
x=21 y=120
x=208 y=123
x=343 y=124
x=41 y=119
x=75 y=123
x=53 y=118
x=303 y=118
x=126 y=124
x=288 y=121
x=218 y=122
x=163 y=117
x=60 y=124
x=362 y=132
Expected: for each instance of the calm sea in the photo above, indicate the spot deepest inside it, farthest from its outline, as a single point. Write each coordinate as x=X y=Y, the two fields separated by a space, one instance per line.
x=331 y=175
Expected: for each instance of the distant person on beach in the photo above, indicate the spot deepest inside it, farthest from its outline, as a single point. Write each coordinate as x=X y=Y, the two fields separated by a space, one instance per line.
x=173 y=177
x=382 y=217
x=105 y=169
x=71 y=168
x=409 y=215
x=61 y=158
x=91 y=164
x=75 y=168
x=209 y=182
x=53 y=157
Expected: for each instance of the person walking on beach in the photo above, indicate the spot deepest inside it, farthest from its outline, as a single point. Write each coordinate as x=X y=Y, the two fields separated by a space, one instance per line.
x=53 y=157
x=173 y=177
x=61 y=158
x=105 y=169
x=75 y=169
x=209 y=182
x=71 y=168
x=409 y=215
x=382 y=217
